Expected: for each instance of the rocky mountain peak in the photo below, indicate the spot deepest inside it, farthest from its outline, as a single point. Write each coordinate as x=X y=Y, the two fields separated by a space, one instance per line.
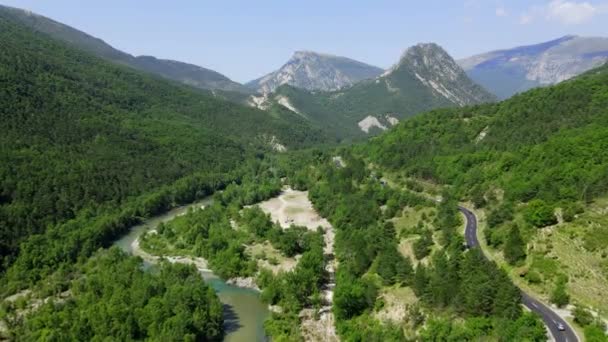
x=307 y=54
x=316 y=71
x=430 y=57
x=432 y=66
x=429 y=60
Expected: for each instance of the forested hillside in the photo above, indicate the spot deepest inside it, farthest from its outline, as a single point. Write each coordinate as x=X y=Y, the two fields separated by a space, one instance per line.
x=442 y=291
x=190 y=74
x=81 y=136
x=547 y=144
x=169 y=305
x=535 y=168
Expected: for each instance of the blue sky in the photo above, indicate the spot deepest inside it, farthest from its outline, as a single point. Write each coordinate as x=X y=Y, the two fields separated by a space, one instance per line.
x=246 y=39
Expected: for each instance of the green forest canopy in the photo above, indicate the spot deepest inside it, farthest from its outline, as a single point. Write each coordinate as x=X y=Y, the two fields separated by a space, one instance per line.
x=81 y=134
x=548 y=143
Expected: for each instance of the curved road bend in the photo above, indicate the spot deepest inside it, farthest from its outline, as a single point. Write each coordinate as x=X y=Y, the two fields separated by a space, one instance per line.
x=551 y=319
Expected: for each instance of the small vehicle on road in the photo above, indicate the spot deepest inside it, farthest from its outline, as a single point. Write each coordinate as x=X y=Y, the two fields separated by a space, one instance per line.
x=560 y=326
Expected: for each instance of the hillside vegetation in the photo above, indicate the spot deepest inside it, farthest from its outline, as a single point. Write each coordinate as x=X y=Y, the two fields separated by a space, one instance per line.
x=548 y=144
x=81 y=136
x=536 y=169
x=169 y=305
x=446 y=289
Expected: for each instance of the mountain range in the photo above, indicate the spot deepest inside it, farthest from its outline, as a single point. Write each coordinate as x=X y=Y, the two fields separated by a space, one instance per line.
x=502 y=72
x=190 y=74
x=347 y=98
x=315 y=71
x=425 y=77
x=510 y=71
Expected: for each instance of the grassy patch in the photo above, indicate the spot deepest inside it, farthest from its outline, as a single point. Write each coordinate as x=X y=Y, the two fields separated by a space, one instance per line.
x=405 y=224
x=578 y=249
x=395 y=301
x=406 y=248
x=270 y=258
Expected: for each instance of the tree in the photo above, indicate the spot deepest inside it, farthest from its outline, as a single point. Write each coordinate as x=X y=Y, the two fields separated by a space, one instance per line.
x=437 y=330
x=528 y=327
x=500 y=215
x=477 y=196
x=172 y=304
x=595 y=333
x=439 y=285
x=508 y=297
x=570 y=211
x=447 y=218
x=514 y=249
x=539 y=214
x=352 y=296
x=405 y=271
x=421 y=281
x=414 y=315
x=422 y=246
x=582 y=316
x=559 y=296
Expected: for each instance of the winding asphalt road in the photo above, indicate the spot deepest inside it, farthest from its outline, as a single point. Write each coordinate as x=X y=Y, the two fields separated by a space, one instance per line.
x=551 y=319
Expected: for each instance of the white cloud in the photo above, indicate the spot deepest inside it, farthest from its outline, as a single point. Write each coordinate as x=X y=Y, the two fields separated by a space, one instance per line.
x=501 y=12
x=567 y=12
x=570 y=12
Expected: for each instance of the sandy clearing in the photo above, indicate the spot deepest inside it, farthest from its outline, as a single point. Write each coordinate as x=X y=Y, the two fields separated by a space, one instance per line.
x=321 y=329
x=293 y=207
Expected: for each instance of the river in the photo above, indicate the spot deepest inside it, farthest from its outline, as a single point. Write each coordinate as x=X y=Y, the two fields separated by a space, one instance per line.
x=244 y=312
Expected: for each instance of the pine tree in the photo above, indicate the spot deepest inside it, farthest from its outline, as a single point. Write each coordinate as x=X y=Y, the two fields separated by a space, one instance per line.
x=508 y=296
x=421 y=281
x=514 y=249
x=559 y=296
x=439 y=285
x=478 y=288
x=405 y=271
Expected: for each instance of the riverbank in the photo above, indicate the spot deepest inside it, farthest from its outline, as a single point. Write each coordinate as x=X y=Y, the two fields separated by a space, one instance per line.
x=244 y=312
x=201 y=264
x=244 y=282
